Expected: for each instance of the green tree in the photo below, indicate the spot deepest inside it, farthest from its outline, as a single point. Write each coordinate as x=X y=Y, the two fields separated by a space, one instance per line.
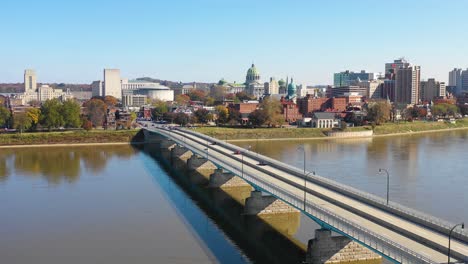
x=241 y=96
x=21 y=121
x=51 y=116
x=96 y=111
x=379 y=113
x=4 y=116
x=160 y=107
x=71 y=113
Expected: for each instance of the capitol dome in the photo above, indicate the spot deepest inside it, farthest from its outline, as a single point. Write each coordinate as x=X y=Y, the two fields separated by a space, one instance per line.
x=252 y=75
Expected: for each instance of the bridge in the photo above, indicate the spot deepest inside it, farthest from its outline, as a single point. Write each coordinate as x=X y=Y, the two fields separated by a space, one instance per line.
x=401 y=234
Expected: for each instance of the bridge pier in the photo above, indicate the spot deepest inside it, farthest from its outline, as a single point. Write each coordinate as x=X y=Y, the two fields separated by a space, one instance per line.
x=165 y=147
x=339 y=249
x=200 y=169
x=179 y=156
x=232 y=185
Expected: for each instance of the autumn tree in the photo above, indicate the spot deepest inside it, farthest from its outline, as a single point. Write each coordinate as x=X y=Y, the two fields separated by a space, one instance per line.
x=51 y=116
x=223 y=114
x=197 y=95
x=242 y=96
x=96 y=111
x=379 y=112
x=4 y=116
x=218 y=92
x=258 y=117
x=35 y=115
x=182 y=99
x=272 y=110
x=71 y=113
x=110 y=100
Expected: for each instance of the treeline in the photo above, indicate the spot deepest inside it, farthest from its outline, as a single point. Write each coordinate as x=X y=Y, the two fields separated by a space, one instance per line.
x=52 y=114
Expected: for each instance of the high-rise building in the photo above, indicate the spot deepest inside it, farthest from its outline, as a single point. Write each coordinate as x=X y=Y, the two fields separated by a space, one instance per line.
x=431 y=89
x=455 y=80
x=407 y=82
x=112 y=83
x=374 y=88
x=30 y=81
x=97 y=89
x=272 y=87
x=392 y=67
x=346 y=78
x=464 y=81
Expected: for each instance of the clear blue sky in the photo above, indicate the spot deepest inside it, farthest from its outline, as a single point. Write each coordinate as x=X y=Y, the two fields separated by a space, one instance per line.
x=202 y=40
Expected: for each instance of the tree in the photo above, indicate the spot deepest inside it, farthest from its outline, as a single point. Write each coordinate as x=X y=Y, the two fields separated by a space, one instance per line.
x=35 y=115
x=272 y=111
x=133 y=116
x=51 y=116
x=235 y=117
x=379 y=113
x=197 y=95
x=22 y=121
x=258 y=117
x=110 y=100
x=96 y=111
x=202 y=115
x=4 y=116
x=243 y=96
x=160 y=107
x=209 y=101
x=71 y=113
x=223 y=114
x=182 y=99
x=181 y=119
x=87 y=125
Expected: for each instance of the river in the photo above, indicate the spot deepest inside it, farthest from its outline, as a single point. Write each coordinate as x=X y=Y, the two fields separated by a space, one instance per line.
x=122 y=204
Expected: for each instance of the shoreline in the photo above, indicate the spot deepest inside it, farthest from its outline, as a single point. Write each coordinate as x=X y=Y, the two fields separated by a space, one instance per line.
x=236 y=140
x=335 y=138
x=70 y=144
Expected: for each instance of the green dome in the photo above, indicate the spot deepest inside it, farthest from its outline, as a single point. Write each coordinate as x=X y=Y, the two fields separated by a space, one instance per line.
x=291 y=90
x=252 y=74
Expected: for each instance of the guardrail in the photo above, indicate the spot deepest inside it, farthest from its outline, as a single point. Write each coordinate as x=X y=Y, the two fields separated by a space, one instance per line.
x=398 y=209
x=367 y=237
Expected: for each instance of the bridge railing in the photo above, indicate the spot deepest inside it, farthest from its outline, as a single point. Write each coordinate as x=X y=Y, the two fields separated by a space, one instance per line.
x=410 y=213
x=363 y=235
x=367 y=237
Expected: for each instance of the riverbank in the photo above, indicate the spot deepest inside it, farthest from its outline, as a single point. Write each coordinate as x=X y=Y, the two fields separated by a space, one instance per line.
x=388 y=129
x=68 y=138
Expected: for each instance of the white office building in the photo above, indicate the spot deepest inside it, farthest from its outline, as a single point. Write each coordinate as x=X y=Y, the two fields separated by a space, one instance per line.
x=112 y=83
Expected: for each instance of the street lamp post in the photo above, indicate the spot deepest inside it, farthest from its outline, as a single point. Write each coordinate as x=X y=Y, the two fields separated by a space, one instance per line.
x=450 y=236
x=388 y=181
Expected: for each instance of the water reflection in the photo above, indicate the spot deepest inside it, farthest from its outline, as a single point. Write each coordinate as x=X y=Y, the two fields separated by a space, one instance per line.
x=57 y=164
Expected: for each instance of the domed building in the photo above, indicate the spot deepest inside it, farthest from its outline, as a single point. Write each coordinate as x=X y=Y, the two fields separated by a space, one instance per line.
x=252 y=83
x=252 y=75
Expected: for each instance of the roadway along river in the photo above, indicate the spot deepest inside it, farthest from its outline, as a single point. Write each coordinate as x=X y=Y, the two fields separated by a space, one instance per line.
x=428 y=172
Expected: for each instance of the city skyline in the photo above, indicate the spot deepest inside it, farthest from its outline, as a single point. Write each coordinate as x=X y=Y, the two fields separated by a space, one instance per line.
x=207 y=40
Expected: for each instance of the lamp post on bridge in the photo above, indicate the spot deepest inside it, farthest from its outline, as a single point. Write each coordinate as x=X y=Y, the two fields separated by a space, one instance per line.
x=450 y=236
x=305 y=175
x=388 y=181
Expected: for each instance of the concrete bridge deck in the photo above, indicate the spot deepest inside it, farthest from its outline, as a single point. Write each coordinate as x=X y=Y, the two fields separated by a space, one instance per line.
x=395 y=237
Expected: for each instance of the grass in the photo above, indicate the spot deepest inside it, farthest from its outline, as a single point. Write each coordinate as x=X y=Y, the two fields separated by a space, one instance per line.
x=68 y=137
x=273 y=133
